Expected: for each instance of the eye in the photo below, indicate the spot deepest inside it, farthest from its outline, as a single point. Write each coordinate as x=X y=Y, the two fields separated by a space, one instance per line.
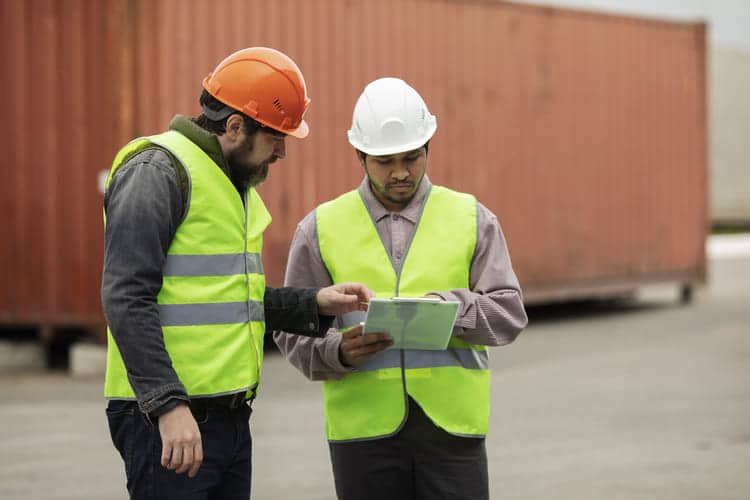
x=275 y=134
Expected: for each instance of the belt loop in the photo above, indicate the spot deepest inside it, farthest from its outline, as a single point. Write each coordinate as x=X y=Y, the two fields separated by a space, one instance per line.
x=238 y=400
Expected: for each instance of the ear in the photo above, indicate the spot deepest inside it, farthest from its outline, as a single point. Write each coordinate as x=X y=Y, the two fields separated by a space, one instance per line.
x=234 y=126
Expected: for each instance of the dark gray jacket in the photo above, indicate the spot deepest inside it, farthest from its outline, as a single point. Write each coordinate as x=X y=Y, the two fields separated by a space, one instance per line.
x=144 y=204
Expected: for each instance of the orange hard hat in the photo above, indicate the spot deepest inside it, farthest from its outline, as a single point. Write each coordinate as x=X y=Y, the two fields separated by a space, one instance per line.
x=264 y=84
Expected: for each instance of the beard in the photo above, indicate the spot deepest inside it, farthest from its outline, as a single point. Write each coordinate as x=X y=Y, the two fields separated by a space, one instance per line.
x=399 y=197
x=257 y=175
x=243 y=173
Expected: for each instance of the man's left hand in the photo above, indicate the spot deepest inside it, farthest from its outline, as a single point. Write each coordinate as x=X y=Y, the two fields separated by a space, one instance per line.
x=343 y=298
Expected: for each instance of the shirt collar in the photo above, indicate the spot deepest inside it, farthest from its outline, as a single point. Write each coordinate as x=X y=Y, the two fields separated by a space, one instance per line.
x=410 y=212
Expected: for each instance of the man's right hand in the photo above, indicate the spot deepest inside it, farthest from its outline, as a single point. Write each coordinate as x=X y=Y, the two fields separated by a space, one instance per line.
x=181 y=447
x=356 y=348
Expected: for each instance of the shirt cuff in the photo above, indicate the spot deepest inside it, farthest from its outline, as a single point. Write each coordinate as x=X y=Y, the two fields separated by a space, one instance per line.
x=466 y=317
x=333 y=354
x=153 y=402
x=318 y=324
x=324 y=324
x=171 y=403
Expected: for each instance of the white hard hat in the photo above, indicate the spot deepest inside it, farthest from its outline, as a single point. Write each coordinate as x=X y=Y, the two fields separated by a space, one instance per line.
x=390 y=117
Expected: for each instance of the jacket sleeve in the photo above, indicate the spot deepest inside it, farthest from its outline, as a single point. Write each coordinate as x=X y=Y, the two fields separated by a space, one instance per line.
x=316 y=358
x=295 y=310
x=491 y=311
x=143 y=206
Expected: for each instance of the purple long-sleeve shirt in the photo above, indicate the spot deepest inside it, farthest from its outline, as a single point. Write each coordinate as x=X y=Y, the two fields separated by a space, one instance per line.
x=491 y=311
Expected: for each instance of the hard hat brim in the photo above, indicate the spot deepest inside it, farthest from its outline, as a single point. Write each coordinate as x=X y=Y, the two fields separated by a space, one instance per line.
x=391 y=150
x=300 y=132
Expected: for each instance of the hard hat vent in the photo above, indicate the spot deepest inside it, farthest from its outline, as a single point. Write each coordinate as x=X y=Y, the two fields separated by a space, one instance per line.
x=278 y=106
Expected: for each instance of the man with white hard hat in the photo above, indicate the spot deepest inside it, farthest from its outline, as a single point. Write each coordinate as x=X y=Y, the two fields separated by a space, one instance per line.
x=401 y=423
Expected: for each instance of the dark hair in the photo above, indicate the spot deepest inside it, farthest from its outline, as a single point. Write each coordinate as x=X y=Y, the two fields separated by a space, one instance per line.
x=220 y=127
x=362 y=155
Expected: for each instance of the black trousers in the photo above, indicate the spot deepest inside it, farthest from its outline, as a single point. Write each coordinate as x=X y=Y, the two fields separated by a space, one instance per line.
x=224 y=474
x=421 y=462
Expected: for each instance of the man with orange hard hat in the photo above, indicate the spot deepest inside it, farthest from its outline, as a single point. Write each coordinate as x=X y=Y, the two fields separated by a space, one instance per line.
x=183 y=288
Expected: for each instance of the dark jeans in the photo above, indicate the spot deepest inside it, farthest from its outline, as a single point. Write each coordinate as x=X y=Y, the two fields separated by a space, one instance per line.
x=421 y=462
x=226 y=469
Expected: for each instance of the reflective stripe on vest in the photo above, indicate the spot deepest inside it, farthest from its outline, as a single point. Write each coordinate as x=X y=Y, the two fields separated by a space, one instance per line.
x=451 y=386
x=416 y=358
x=212 y=265
x=470 y=359
x=216 y=313
x=211 y=301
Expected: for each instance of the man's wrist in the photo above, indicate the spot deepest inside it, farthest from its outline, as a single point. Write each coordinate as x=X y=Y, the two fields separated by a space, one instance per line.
x=342 y=367
x=168 y=405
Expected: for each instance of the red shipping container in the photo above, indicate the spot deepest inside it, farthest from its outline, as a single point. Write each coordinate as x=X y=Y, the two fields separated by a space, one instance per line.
x=585 y=133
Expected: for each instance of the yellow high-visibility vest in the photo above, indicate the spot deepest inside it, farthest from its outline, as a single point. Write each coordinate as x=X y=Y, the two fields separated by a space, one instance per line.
x=211 y=300
x=451 y=386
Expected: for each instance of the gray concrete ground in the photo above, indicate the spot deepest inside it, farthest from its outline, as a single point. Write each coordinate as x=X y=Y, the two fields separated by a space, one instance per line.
x=646 y=401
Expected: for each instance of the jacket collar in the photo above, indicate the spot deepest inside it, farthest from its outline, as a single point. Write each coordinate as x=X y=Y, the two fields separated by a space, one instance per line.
x=205 y=140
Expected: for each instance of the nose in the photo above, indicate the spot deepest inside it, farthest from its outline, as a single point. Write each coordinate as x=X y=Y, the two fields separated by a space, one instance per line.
x=279 y=148
x=400 y=172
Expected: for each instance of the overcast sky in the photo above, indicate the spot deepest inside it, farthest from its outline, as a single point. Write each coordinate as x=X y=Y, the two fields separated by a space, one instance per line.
x=729 y=20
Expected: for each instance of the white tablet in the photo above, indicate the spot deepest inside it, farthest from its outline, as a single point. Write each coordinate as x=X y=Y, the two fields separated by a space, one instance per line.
x=413 y=323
